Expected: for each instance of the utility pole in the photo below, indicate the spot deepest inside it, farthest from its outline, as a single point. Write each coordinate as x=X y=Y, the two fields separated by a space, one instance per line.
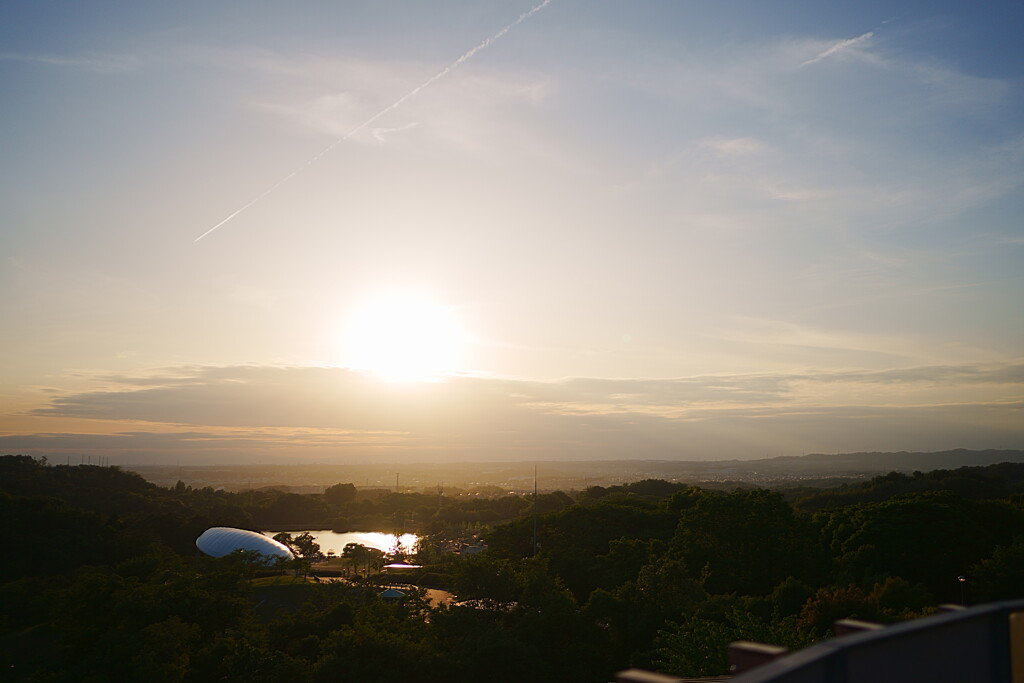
x=534 y=510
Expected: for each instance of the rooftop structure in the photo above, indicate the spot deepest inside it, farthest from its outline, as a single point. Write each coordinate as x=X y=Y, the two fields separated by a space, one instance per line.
x=219 y=541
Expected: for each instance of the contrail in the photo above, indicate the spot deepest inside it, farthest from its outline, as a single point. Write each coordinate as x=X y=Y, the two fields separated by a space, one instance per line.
x=838 y=47
x=391 y=107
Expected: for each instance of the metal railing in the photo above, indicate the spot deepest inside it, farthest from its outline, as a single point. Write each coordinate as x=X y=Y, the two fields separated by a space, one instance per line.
x=983 y=644
x=977 y=645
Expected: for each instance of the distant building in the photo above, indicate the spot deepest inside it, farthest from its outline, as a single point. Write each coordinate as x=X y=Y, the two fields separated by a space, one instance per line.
x=219 y=541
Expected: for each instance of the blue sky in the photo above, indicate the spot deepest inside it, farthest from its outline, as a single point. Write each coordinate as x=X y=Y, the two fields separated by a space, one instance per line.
x=645 y=229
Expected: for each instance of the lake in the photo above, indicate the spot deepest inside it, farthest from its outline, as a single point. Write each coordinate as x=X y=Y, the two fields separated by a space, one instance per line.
x=330 y=540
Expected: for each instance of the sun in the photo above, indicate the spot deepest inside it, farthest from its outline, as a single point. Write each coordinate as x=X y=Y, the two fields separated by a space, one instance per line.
x=404 y=337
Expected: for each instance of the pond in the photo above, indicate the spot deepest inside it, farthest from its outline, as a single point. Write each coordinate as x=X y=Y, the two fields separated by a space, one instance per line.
x=330 y=540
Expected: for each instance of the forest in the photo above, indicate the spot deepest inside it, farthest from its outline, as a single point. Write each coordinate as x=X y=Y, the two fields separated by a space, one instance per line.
x=102 y=580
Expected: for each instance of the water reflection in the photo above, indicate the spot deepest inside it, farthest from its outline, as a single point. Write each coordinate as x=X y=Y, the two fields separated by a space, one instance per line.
x=330 y=540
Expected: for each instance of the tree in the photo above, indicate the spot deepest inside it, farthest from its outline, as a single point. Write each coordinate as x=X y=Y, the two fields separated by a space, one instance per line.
x=698 y=646
x=248 y=561
x=293 y=509
x=928 y=538
x=374 y=560
x=552 y=502
x=307 y=546
x=355 y=554
x=695 y=647
x=745 y=542
x=496 y=583
x=840 y=602
x=358 y=554
x=1000 y=576
x=285 y=538
x=339 y=494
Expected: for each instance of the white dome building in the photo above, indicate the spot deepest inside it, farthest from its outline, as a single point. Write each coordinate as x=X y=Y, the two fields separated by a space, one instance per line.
x=219 y=541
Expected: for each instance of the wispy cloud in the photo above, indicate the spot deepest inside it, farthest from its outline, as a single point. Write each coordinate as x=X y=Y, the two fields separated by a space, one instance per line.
x=268 y=410
x=414 y=92
x=381 y=134
x=93 y=61
x=471 y=109
x=734 y=146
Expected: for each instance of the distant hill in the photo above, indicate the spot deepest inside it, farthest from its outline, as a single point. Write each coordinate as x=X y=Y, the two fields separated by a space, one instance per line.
x=822 y=466
x=572 y=475
x=902 y=461
x=981 y=482
x=768 y=471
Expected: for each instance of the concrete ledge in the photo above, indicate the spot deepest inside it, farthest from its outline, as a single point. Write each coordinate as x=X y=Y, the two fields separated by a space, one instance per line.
x=951 y=607
x=845 y=627
x=745 y=655
x=959 y=646
x=643 y=676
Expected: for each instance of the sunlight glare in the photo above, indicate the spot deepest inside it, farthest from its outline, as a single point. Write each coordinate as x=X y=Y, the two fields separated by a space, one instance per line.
x=403 y=337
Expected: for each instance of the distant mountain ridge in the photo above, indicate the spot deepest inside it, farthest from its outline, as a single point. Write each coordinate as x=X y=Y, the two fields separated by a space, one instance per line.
x=899 y=461
x=569 y=475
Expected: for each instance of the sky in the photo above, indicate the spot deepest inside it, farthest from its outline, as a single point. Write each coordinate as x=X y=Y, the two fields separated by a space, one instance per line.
x=482 y=230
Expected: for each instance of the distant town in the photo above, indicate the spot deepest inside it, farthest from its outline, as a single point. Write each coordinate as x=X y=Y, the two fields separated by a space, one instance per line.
x=495 y=479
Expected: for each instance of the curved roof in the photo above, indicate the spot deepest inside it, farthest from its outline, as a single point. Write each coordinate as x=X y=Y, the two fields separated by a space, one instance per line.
x=219 y=541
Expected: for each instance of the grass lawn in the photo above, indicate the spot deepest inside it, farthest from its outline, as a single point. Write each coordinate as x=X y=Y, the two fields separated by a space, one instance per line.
x=281 y=580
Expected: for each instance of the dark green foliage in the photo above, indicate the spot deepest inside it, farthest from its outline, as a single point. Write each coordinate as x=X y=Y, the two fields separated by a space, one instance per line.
x=292 y=508
x=698 y=646
x=838 y=602
x=520 y=607
x=999 y=576
x=663 y=591
x=974 y=483
x=604 y=544
x=339 y=494
x=625 y=558
x=495 y=583
x=108 y=586
x=551 y=502
x=745 y=542
x=899 y=599
x=347 y=508
x=126 y=628
x=307 y=546
x=382 y=643
x=928 y=538
x=59 y=533
x=303 y=545
x=788 y=598
x=652 y=489
x=102 y=489
x=891 y=600
x=475 y=640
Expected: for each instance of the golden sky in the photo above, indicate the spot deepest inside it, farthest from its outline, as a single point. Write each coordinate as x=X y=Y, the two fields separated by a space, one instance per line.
x=474 y=231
